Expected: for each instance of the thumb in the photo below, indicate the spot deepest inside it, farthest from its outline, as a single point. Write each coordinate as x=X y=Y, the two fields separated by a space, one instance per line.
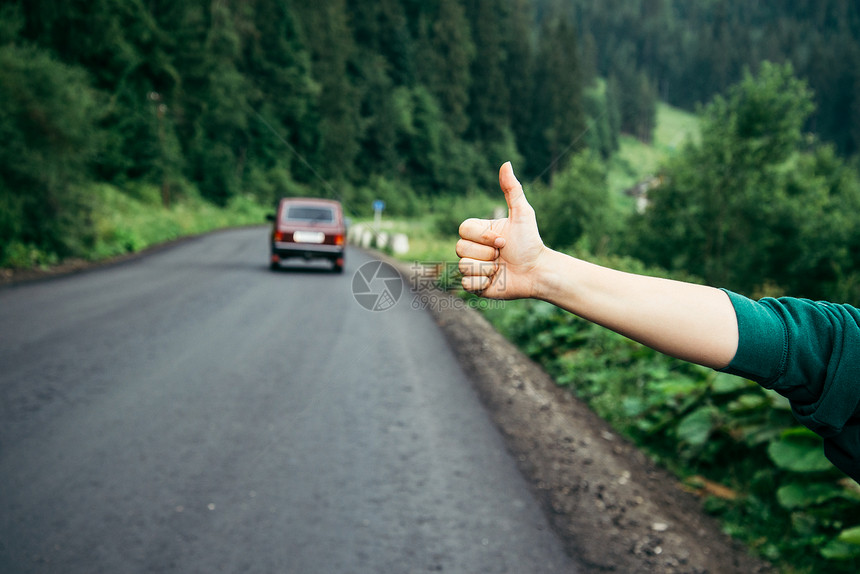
x=513 y=190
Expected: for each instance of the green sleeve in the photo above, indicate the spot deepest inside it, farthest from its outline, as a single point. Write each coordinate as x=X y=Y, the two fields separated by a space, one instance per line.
x=808 y=352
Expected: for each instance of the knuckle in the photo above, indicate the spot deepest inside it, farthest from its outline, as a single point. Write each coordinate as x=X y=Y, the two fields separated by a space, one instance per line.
x=467 y=226
x=461 y=247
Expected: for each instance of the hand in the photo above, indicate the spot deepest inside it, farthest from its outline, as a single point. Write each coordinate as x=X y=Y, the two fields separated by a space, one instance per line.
x=499 y=257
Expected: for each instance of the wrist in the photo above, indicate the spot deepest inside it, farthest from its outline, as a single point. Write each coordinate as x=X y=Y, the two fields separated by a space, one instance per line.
x=547 y=275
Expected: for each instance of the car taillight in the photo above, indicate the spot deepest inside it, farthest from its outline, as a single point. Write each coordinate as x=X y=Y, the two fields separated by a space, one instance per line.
x=338 y=239
x=281 y=236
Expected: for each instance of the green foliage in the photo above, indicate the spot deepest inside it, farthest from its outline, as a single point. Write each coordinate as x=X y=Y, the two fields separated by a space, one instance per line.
x=47 y=116
x=448 y=212
x=692 y=51
x=577 y=207
x=747 y=206
x=798 y=450
x=400 y=200
x=489 y=97
x=267 y=97
x=557 y=123
x=709 y=427
x=602 y=128
x=636 y=99
x=130 y=222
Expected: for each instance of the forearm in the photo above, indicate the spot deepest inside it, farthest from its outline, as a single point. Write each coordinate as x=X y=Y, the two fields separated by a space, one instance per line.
x=684 y=320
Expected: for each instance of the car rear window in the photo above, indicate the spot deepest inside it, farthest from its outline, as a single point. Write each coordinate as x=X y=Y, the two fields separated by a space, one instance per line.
x=310 y=213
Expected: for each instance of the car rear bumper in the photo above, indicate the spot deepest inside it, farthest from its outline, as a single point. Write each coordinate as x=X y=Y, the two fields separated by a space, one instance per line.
x=286 y=249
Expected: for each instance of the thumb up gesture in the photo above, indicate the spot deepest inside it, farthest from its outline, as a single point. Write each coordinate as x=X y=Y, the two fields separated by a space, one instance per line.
x=499 y=257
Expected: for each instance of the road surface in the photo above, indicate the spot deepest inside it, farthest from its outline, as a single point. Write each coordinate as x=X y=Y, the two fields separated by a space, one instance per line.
x=191 y=411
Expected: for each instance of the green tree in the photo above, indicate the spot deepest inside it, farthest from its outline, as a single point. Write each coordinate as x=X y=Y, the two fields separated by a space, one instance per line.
x=124 y=51
x=448 y=74
x=383 y=62
x=519 y=68
x=746 y=207
x=634 y=93
x=815 y=252
x=489 y=97
x=576 y=210
x=601 y=135
x=326 y=31
x=381 y=28
x=691 y=51
x=220 y=143
x=281 y=95
x=557 y=119
x=48 y=117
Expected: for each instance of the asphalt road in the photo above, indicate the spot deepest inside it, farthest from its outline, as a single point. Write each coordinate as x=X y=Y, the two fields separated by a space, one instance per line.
x=191 y=411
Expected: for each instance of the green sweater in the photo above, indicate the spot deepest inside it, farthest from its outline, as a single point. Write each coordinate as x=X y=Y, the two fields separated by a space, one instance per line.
x=809 y=352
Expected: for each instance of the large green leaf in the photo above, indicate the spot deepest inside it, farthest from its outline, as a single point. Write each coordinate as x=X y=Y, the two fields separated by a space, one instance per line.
x=696 y=427
x=837 y=550
x=798 y=495
x=724 y=383
x=798 y=455
x=850 y=536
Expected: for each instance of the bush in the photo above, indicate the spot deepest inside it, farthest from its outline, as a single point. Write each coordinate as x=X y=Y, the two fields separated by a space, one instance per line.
x=47 y=125
x=577 y=208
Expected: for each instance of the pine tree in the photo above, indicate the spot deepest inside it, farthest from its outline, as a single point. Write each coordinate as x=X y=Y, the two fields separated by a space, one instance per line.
x=326 y=31
x=451 y=55
x=489 y=98
x=519 y=68
x=277 y=64
x=558 y=119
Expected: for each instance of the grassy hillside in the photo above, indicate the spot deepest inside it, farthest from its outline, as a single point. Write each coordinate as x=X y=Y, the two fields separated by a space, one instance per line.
x=636 y=161
x=132 y=219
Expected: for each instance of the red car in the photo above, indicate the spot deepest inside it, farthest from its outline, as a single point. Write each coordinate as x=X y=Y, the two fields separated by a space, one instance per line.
x=309 y=229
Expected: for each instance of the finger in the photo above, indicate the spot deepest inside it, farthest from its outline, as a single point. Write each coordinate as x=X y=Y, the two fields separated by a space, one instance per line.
x=472 y=250
x=473 y=267
x=512 y=188
x=475 y=283
x=481 y=231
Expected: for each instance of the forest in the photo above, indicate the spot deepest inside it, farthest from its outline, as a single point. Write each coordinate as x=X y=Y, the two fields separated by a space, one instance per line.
x=408 y=101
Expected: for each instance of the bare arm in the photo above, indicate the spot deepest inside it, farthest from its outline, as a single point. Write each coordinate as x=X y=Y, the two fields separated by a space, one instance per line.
x=506 y=259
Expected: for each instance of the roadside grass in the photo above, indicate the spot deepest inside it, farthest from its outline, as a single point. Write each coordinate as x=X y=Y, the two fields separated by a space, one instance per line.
x=135 y=219
x=426 y=243
x=122 y=221
x=636 y=161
